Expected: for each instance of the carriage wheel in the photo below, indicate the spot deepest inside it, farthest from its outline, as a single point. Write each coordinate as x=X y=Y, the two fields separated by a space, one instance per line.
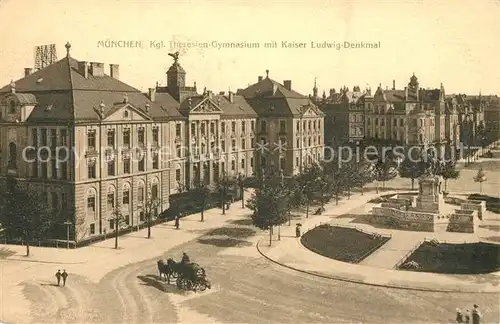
x=200 y=272
x=174 y=275
x=203 y=286
x=189 y=284
x=179 y=282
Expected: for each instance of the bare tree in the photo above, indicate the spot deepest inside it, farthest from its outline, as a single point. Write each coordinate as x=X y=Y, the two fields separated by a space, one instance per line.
x=150 y=209
x=118 y=222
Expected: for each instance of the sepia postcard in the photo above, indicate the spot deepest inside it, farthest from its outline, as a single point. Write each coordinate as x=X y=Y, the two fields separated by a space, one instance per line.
x=195 y=162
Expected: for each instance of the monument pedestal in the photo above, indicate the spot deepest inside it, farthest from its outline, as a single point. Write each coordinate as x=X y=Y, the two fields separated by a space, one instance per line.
x=430 y=198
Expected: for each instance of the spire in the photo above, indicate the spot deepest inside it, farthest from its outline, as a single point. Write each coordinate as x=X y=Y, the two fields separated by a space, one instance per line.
x=68 y=47
x=315 y=89
x=267 y=74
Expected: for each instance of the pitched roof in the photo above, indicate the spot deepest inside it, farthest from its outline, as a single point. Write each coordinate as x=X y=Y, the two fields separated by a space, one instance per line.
x=71 y=96
x=268 y=88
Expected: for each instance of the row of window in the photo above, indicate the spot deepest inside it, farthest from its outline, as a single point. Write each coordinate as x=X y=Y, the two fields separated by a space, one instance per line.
x=58 y=171
x=126 y=164
x=41 y=138
x=111 y=197
x=243 y=125
x=126 y=138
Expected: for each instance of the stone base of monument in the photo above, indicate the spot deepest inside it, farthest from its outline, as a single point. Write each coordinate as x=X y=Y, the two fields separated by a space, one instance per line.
x=427 y=212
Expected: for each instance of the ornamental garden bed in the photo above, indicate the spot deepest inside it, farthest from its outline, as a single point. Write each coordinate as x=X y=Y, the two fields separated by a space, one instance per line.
x=468 y=258
x=343 y=244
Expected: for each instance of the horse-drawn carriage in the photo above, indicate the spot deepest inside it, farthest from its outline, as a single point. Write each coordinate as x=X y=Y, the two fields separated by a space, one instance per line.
x=188 y=275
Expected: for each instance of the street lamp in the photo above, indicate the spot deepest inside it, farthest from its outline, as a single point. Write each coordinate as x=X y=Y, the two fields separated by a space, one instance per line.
x=68 y=224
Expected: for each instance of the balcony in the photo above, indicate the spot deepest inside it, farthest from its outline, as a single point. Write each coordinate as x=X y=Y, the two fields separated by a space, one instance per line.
x=91 y=152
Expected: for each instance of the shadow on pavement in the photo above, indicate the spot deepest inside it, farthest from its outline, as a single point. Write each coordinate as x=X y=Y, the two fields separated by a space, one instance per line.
x=155 y=282
x=225 y=243
x=231 y=232
x=243 y=222
x=5 y=253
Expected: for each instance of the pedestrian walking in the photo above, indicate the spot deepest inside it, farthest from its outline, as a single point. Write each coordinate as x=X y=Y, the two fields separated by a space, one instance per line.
x=476 y=315
x=58 y=276
x=177 y=221
x=297 y=230
x=64 y=275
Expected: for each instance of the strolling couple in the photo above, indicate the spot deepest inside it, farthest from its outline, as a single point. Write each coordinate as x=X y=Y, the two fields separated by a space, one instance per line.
x=62 y=275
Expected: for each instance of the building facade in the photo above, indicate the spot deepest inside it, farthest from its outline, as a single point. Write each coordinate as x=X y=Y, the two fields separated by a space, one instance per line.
x=93 y=145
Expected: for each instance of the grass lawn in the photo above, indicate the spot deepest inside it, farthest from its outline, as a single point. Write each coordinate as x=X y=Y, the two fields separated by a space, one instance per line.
x=472 y=258
x=340 y=243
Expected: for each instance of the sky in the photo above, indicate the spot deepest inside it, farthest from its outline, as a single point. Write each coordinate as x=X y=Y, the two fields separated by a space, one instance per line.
x=454 y=42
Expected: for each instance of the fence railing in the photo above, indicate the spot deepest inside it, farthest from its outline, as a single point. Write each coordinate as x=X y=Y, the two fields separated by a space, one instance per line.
x=403 y=259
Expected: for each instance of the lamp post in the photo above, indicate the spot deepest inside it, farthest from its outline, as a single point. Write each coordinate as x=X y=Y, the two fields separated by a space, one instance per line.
x=68 y=224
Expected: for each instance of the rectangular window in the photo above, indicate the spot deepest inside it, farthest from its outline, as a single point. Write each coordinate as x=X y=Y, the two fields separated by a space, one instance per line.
x=282 y=126
x=202 y=128
x=252 y=142
x=243 y=144
x=111 y=138
x=233 y=127
x=53 y=138
x=126 y=138
x=298 y=126
x=63 y=137
x=178 y=175
x=111 y=224
x=91 y=171
x=212 y=128
x=177 y=130
x=44 y=170
x=126 y=166
x=251 y=162
x=233 y=145
x=252 y=124
x=141 y=164
x=178 y=150
x=92 y=228
x=243 y=126
x=53 y=163
x=233 y=165
x=140 y=136
x=223 y=127
x=141 y=216
x=297 y=142
x=242 y=163
x=91 y=141
x=155 y=136
x=155 y=161
x=44 y=137
x=111 y=168
x=193 y=129
x=34 y=137
x=223 y=146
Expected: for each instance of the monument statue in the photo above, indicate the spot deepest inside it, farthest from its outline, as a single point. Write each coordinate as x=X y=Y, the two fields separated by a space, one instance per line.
x=175 y=56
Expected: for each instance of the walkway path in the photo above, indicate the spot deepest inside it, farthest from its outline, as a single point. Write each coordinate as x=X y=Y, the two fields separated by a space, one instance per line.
x=393 y=251
x=290 y=253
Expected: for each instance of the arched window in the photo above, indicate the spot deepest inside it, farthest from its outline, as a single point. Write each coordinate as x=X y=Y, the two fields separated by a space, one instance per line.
x=126 y=194
x=125 y=114
x=111 y=198
x=12 y=107
x=12 y=163
x=140 y=192
x=91 y=202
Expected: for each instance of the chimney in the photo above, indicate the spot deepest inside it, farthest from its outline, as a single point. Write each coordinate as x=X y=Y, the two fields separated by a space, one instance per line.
x=27 y=71
x=393 y=84
x=83 y=70
x=152 y=94
x=231 y=97
x=97 y=69
x=288 y=84
x=259 y=79
x=114 y=71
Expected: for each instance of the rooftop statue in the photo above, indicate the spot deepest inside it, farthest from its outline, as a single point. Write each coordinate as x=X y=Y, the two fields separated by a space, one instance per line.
x=175 y=56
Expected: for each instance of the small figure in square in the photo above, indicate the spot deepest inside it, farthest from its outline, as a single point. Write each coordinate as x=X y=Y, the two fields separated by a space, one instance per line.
x=64 y=275
x=58 y=276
